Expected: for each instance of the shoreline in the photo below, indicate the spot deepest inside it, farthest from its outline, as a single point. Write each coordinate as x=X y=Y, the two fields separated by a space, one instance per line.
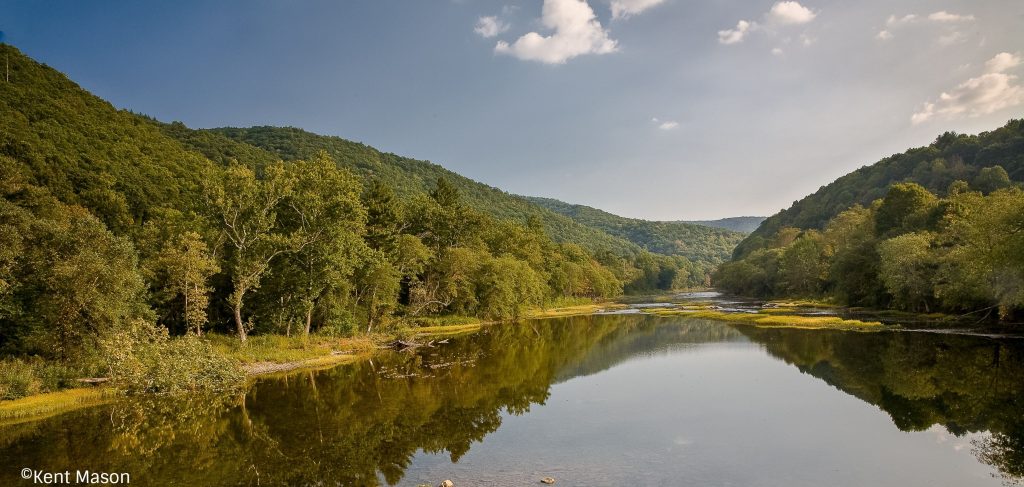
x=41 y=406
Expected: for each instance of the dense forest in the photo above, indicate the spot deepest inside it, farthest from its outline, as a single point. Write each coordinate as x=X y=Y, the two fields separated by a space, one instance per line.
x=959 y=251
x=120 y=231
x=742 y=224
x=704 y=245
x=951 y=157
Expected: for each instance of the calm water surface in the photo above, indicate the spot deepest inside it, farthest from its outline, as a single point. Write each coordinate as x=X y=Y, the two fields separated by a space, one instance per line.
x=597 y=400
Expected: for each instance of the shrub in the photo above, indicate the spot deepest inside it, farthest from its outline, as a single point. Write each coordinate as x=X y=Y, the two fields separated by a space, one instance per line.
x=144 y=359
x=25 y=377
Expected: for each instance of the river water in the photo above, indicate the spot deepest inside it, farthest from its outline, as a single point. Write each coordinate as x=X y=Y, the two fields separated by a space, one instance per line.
x=628 y=399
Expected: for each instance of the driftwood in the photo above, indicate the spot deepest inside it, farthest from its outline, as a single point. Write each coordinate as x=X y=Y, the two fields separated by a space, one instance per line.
x=402 y=345
x=93 y=380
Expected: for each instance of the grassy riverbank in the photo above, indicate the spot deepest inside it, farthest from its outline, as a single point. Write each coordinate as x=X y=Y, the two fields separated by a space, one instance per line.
x=267 y=354
x=40 y=406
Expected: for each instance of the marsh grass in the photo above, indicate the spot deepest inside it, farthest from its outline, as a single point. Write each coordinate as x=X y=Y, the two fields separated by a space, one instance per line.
x=42 y=405
x=790 y=321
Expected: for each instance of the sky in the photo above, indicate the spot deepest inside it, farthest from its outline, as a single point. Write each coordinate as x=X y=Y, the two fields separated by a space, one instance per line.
x=656 y=109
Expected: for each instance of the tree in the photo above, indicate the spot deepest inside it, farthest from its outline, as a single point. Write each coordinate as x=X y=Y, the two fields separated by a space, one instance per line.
x=377 y=285
x=990 y=179
x=853 y=266
x=906 y=208
x=507 y=287
x=803 y=267
x=907 y=269
x=324 y=220
x=188 y=266
x=246 y=209
x=384 y=216
x=69 y=284
x=986 y=234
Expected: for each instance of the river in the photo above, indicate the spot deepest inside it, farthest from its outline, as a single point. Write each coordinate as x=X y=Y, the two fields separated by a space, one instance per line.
x=628 y=399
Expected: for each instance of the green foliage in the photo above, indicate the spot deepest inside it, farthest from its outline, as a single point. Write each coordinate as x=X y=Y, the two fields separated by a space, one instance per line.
x=183 y=268
x=117 y=231
x=144 y=359
x=20 y=378
x=68 y=280
x=508 y=287
x=742 y=224
x=907 y=266
x=910 y=250
x=990 y=179
x=700 y=244
x=950 y=158
x=408 y=178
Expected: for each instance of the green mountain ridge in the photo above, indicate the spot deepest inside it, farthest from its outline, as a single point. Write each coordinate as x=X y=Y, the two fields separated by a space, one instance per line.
x=950 y=157
x=407 y=175
x=742 y=224
x=698 y=243
x=82 y=162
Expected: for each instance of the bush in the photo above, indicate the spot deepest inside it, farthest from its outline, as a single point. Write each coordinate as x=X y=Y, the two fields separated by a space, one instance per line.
x=144 y=359
x=18 y=379
x=25 y=377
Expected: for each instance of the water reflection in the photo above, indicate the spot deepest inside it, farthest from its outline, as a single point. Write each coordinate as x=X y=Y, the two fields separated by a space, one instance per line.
x=966 y=384
x=366 y=423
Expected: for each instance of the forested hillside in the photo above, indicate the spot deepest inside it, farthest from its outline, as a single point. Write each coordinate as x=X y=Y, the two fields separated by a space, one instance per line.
x=951 y=157
x=948 y=237
x=742 y=224
x=699 y=243
x=407 y=176
x=119 y=231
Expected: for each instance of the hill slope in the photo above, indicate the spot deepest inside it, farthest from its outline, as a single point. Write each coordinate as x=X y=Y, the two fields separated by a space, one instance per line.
x=408 y=176
x=949 y=158
x=698 y=243
x=116 y=163
x=742 y=224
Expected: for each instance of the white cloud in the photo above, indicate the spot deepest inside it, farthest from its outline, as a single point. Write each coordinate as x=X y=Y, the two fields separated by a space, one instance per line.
x=806 y=40
x=625 y=8
x=894 y=21
x=576 y=32
x=953 y=37
x=985 y=94
x=786 y=13
x=781 y=14
x=1002 y=62
x=666 y=125
x=777 y=51
x=490 y=26
x=944 y=16
x=733 y=36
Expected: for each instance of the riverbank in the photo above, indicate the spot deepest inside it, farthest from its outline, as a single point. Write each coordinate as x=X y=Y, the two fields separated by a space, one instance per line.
x=773 y=319
x=270 y=354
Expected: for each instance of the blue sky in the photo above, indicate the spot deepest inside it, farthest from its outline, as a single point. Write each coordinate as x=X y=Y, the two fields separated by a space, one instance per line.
x=659 y=109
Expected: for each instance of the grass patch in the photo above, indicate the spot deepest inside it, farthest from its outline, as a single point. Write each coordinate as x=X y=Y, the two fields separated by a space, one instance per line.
x=448 y=329
x=283 y=349
x=804 y=303
x=576 y=310
x=788 y=321
x=442 y=321
x=52 y=403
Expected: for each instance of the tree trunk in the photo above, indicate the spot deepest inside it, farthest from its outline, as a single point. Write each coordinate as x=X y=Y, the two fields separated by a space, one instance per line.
x=309 y=319
x=237 y=308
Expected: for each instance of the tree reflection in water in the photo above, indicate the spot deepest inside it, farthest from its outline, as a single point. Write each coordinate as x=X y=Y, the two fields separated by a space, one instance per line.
x=362 y=424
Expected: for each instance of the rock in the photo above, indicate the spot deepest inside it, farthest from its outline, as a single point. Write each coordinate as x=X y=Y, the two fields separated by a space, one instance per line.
x=547 y=480
x=447 y=483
